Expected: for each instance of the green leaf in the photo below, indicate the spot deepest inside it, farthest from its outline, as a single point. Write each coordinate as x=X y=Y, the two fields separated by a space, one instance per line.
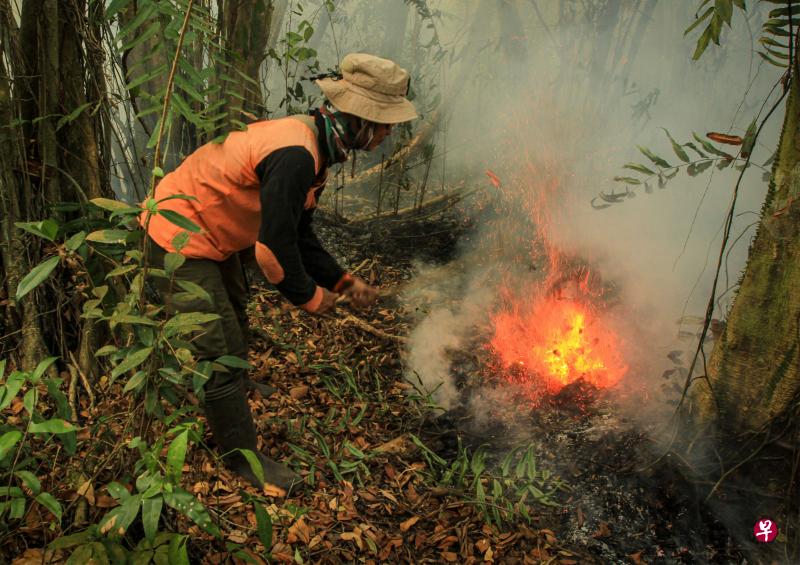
x=65 y=542
x=172 y=262
x=658 y=161
x=74 y=242
x=195 y=290
x=180 y=240
x=639 y=168
x=711 y=148
x=152 y=30
x=676 y=147
x=180 y=220
x=627 y=180
x=189 y=506
x=121 y=270
x=111 y=11
x=263 y=525
x=127 y=513
x=235 y=362
x=29 y=401
x=151 y=513
x=254 y=462
x=43 y=365
x=135 y=382
x=144 y=12
x=187 y=322
x=699 y=20
x=110 y=204
x=724 y=9
x=108 y=236
x=131 y=361
x=134 y=319
x=30 y=481
x=8 y=440
x=72 y=116
x=158 y=172
x=178 y=197
x=117 y=491
x=48 y=501
x=9 y=391
x=702 y=44
x=36 y=277
x=176 y=455
x=178 y=555
x=749 y=139
x=52 y=426
x=141 y=79
x=46 y=229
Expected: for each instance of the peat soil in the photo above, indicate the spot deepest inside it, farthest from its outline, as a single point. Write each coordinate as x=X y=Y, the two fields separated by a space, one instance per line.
x=623 y=504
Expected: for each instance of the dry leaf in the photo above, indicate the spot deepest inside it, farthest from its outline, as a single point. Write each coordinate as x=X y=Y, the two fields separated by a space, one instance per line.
x=489 y=555
x=237 y=536
x=86 y=490
x=397 y=445
x=603 y=531
x=17 y=405
x=449 y=556
x=404 y=527
x=273 y=490
x=298 y=392
x=105 y=501
x=482 y=545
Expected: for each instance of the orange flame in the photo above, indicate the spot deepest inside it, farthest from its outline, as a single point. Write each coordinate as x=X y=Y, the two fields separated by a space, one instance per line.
x=547 y=332
x=555 y=343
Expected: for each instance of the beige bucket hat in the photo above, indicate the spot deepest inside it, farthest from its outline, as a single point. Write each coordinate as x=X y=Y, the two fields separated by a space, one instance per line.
x=371 y=88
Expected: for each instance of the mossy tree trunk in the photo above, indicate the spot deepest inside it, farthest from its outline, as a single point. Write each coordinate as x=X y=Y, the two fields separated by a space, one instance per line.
x=755 y=368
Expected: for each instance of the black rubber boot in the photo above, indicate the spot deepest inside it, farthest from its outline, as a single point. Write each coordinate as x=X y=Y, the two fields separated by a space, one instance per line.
x=265 y=389
x=232 y=426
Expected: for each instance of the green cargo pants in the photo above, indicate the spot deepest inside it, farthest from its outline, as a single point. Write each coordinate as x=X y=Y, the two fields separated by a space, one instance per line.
x=225 y=282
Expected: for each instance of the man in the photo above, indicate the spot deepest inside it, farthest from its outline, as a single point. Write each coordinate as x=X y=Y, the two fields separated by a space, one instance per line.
x=260 y=186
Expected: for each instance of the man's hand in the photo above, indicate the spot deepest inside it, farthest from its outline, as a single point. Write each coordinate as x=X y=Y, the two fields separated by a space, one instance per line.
x=360 y=293
x=328 y=303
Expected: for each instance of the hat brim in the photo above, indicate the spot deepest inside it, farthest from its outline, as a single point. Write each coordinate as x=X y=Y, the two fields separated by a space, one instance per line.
x=369 y=105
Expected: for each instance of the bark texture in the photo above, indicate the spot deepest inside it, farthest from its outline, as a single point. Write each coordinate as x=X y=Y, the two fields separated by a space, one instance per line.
x=755 y=367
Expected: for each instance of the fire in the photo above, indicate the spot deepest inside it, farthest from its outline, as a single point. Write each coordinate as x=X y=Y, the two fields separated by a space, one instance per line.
x=557 y=342
x=550 y=326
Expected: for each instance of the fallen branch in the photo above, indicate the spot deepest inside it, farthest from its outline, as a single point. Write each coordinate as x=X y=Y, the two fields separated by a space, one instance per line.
x=367 y=327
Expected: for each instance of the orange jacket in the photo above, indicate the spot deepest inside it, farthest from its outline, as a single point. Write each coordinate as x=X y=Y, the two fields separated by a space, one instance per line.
x=224 y=179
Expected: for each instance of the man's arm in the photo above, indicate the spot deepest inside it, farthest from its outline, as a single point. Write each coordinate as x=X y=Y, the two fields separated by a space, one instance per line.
x=318 y=262
x=286 y=176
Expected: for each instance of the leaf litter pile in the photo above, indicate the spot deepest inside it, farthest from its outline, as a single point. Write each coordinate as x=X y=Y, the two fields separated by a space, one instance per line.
x=390 y=479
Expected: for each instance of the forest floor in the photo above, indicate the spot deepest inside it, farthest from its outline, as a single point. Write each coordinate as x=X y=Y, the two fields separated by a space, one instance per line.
x=376 y=455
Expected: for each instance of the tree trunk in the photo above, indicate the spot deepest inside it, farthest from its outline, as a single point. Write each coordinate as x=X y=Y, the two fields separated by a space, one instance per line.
x=755 y=367
x=245 y=29
x=46 y=76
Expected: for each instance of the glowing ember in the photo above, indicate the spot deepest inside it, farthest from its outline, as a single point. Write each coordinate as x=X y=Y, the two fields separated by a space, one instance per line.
x=557 y=342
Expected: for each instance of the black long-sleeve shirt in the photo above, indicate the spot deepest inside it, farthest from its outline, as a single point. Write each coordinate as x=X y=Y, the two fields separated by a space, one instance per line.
x=286 y=227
